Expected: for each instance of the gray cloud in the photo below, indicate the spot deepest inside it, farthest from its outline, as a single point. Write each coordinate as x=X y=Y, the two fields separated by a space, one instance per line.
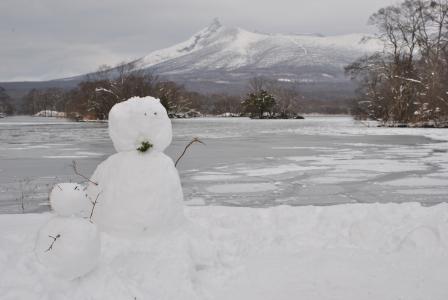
x=43 y=39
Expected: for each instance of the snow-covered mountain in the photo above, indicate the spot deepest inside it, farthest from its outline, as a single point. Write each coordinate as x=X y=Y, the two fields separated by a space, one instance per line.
x=226 y=55
x=223 y=59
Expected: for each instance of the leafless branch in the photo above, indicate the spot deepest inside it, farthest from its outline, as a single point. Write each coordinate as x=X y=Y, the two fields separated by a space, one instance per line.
x=75 y=169
x=94 y=203
x=54 y=241
x=195 y=140
x=26 y=189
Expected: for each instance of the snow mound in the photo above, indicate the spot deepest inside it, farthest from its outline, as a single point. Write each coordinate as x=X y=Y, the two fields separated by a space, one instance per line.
x=139 y=120
x=68 y=247
x=137 y=193
x=70 y=199
x=345 y=252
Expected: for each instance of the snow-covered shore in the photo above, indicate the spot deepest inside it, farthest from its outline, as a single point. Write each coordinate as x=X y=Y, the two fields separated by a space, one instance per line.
x=353 y=251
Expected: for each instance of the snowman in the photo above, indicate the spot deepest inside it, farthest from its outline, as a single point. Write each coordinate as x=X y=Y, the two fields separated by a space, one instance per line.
x=137 y=190
x=69 y=245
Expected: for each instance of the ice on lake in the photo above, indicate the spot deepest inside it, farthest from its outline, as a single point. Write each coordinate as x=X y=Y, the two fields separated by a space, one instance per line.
x=321 y=160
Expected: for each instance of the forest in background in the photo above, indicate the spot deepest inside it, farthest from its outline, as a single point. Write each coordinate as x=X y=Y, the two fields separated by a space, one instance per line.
x=407 y=83
x=94 y=97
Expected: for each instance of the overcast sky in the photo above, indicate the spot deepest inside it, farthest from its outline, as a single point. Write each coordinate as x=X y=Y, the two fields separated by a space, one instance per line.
x=46 y=39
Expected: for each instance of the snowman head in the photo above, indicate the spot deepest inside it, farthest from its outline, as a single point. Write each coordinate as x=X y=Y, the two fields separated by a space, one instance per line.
x=139 y=121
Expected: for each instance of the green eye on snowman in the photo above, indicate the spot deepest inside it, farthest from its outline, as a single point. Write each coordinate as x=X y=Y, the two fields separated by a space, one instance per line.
x=144 y=146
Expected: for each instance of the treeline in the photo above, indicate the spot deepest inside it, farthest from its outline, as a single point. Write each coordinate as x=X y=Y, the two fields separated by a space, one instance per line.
x=268 y=98
x=94 y=97
x=98 y=92
x=407 y=83
x=6 y=106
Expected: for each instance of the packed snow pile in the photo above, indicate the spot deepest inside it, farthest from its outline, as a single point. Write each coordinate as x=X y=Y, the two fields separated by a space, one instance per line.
x=353 y=251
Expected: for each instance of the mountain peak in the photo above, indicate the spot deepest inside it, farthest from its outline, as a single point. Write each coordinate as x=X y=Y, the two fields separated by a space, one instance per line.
x=214 y=25
x=217 y=47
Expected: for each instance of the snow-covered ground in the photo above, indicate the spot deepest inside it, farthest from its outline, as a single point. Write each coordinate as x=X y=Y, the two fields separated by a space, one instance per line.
x=273 y=248
x=258 y=163
x=352 y=251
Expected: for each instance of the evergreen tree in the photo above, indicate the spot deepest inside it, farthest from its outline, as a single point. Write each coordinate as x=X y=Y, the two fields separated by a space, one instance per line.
x=258 y=103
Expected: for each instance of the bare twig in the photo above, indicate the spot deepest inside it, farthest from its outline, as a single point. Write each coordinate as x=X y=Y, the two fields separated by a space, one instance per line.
x=22 y=202
x=75 y=169
x=26 y=189
x=94 y=203
x=52 y=243
x=195 y=140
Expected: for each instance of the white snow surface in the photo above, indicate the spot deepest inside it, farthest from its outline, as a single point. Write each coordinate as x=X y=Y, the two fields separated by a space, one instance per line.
x=68 y=247
x=70 y=199
x=139 y=120
x=346 y=252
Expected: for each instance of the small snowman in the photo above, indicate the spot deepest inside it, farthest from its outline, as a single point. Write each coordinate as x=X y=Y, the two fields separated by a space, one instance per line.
x=137 y=190
x=69 y=245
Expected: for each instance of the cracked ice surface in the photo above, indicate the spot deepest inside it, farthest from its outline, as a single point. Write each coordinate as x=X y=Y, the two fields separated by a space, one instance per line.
x=257 y=163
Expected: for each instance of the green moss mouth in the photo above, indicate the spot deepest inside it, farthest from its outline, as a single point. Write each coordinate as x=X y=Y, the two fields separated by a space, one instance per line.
x=145 y=146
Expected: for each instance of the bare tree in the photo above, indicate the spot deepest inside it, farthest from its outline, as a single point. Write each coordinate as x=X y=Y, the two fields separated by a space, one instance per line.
x=257 y=84
x=407 y=81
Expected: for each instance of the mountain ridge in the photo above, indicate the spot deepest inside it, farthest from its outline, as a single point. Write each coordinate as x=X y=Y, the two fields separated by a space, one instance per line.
x=222 y=59
x=231 y=48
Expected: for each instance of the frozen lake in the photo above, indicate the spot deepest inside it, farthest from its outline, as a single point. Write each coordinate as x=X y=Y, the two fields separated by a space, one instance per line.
x=322 y=160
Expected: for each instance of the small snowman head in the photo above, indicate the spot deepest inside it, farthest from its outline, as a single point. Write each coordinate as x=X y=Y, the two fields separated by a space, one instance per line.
x=70 y=199
x=140 y=124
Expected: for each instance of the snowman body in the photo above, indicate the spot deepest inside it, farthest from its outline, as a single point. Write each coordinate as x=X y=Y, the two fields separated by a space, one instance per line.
x=68 y=247
x=137 y=192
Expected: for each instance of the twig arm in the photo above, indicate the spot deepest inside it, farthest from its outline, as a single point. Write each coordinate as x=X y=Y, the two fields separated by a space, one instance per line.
x=54 y=241
x=195 y=140
x=94 y=203
x=75 y=169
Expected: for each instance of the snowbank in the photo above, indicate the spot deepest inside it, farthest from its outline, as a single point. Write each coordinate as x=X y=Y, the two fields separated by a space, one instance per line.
x=355 y=251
